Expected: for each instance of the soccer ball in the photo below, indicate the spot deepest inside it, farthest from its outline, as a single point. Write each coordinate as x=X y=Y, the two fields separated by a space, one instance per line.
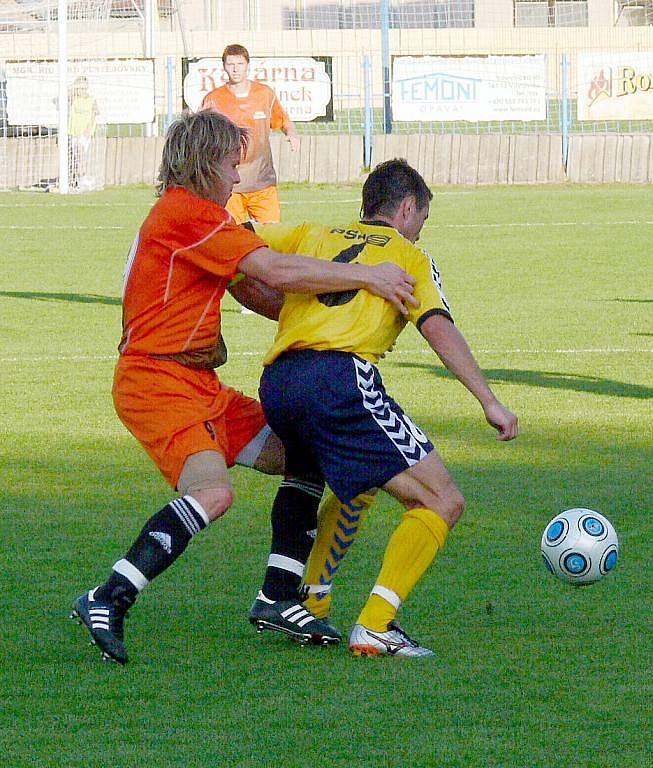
x=579 y=546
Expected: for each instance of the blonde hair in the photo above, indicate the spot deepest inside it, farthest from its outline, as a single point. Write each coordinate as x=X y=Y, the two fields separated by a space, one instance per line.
x=196 y=145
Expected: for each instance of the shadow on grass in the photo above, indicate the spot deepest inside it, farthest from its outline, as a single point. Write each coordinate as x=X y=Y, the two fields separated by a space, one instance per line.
x=82 y=298
x=633 y=301
x=550 y=380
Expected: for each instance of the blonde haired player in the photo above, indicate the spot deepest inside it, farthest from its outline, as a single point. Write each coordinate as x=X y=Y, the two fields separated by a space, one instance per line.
x=323 y=395
x=165 y=390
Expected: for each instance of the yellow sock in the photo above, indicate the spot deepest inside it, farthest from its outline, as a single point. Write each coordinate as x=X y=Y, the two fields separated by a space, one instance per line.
x=417 y=539
x=337 y=528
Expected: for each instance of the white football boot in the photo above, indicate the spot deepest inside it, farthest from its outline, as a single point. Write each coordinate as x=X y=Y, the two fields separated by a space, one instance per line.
x=393 y=642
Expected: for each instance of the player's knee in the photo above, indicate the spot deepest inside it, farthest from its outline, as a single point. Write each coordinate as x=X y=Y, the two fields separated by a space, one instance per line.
x=455 y=507
x=449 y=503
x=214 y=501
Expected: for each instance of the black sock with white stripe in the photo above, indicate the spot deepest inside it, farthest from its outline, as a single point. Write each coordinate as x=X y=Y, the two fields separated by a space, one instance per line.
x=163 y=539
x=294 y=526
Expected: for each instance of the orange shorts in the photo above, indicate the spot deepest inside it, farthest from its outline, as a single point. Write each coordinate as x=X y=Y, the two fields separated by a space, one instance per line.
x=174 y=411
x=261 y=205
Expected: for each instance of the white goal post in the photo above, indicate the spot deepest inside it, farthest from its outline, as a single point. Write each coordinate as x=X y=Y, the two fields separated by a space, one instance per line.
x=61 y=95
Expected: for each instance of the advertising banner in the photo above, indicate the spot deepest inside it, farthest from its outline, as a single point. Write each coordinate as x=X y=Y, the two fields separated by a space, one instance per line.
x=122 y=88
x=302 y=83
x=435 y=88
x=615 y=86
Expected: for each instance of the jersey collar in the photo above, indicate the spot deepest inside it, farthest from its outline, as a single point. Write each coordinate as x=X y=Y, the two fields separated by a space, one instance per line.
x=377 y=223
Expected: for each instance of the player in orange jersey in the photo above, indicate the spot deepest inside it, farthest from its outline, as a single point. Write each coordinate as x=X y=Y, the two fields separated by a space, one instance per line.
x=165 y=389
x=254 y=106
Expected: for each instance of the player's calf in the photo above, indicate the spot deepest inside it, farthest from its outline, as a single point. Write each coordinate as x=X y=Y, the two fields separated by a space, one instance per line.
x=164 y=537
x=338 y=526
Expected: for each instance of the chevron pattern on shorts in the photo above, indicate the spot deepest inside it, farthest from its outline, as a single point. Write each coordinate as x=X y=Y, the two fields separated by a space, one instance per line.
x=405 y=435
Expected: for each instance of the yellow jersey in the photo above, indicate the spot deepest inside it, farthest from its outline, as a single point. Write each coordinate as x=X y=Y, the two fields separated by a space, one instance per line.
x=82 y=114
x=351 y=321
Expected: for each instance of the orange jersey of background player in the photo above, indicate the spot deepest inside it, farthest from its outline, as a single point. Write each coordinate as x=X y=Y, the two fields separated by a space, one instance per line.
x=259 y=111
x=185 y=254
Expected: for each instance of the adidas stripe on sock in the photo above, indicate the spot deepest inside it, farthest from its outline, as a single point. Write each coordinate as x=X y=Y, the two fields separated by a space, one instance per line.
x=162 y=540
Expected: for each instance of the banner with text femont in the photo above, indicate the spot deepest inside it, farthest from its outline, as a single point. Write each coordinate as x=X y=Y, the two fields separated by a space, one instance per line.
x=302 y=83
x=615 y=86
x=468 y=88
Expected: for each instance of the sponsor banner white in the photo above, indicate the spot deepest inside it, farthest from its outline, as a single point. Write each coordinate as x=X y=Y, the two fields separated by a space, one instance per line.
x=122 y=88
x=468 y=88
x=302 y=84
x=615 y=86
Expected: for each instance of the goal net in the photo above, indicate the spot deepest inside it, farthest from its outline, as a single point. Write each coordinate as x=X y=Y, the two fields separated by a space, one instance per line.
x=62 y=91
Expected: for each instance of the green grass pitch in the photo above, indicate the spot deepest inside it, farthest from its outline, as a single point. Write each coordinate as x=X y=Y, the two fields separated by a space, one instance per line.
x=552 y=288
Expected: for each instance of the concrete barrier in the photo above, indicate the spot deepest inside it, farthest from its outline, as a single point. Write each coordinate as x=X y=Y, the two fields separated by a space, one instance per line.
x=626 y=158
x=477 y=158
x=338 y=159
x=25 y=161
x=329 y=159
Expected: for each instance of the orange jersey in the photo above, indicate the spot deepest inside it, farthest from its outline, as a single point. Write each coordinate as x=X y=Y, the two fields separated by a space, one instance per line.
x=259 y=111
x=185 y=254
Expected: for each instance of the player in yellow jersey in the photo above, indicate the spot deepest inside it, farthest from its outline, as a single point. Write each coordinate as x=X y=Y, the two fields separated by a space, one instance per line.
x=82 y=121
x=323 y=396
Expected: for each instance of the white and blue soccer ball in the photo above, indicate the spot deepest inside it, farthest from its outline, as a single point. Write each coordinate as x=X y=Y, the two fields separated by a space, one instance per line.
x=580 y=546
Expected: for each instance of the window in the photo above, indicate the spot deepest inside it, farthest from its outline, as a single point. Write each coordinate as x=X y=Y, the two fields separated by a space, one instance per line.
x=633 y=13
x=550 y=13
x=404 y=14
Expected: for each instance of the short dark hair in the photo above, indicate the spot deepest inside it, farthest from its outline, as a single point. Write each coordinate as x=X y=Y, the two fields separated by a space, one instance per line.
x=388 y=184
x=235 y=50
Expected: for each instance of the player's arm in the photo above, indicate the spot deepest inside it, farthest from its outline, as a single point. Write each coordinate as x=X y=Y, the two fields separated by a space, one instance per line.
x=254 y=294
x=451 y=347
x=257 y=296
x=293 y=273
x=279 y=120
x=292 y=136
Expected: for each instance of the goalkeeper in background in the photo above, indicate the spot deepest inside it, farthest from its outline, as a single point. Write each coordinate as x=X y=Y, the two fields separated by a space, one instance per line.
x=82 y=121
x=323 y=396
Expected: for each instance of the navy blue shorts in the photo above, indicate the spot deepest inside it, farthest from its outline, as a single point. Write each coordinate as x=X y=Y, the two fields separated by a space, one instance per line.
x=335 y=419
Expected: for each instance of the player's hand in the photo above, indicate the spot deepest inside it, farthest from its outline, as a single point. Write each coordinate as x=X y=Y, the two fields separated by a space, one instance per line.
x=391 y=282
x=294 y=142
x=503 y=420
x=388 y=351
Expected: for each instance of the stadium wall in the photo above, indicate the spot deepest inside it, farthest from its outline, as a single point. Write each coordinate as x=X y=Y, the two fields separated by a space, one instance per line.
x=508 y=158
x=345 y=46
x=337 y=159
